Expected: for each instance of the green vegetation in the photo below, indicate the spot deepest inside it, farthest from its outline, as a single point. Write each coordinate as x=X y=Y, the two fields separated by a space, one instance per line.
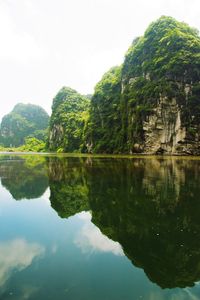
x=68 y=121
x=164 y=63
x=169 y=49
x=32 y=144
x=104 y=126
x=25 y=121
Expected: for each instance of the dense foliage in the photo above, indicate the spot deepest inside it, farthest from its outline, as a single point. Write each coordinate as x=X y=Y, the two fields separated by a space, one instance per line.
x=25 y=120
x=164 y=63
x=33 y=145
x=68 y=121
x=104 y=126
x=168 y=49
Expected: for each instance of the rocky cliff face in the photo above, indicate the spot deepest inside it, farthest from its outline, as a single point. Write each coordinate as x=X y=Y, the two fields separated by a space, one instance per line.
x=161 y=90
x=169 y=128
x=164 y=131
x=56 y=136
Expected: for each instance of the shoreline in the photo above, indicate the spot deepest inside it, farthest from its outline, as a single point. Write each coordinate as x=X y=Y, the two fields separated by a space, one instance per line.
x=89 y=155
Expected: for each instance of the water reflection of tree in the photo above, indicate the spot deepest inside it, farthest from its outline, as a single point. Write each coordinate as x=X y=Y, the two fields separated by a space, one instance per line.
x=150 y=206
x=25 y=177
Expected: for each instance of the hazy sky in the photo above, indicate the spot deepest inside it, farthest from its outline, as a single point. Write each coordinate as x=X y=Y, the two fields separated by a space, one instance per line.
x=47 y=44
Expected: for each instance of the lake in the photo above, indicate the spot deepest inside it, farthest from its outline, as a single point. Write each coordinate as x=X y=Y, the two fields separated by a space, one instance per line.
x=88 y=228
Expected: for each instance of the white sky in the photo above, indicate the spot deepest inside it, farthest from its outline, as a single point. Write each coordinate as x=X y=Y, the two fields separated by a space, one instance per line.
x=47 y=44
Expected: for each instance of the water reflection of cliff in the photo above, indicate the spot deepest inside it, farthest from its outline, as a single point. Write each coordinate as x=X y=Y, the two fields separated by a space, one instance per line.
x=154 y=214
x=25 y=177
x=150 y=206
x=68 y=187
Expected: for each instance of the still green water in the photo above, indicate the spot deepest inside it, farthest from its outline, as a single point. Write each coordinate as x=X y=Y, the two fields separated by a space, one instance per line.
x=99 y=228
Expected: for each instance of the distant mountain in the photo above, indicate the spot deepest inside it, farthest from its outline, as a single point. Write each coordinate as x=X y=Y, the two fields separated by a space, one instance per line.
x=25 y=120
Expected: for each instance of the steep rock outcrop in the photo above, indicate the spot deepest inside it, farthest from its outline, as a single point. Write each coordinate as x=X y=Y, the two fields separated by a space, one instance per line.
x=162 y=129
x=68 y=121
x=161 y=75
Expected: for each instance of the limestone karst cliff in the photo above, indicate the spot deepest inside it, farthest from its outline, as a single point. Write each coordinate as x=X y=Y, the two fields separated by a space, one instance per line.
x=150 y=104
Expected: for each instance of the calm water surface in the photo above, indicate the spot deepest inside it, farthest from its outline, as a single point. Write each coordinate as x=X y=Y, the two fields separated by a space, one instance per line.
x=99 y=228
